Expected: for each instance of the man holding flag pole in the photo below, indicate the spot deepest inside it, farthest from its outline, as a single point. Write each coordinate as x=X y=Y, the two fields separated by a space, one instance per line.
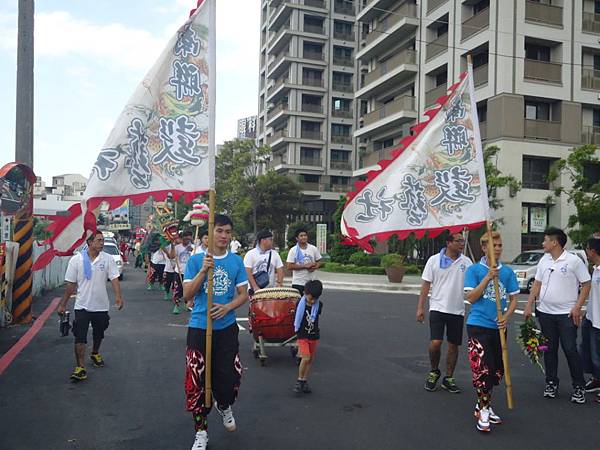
x=435 y=182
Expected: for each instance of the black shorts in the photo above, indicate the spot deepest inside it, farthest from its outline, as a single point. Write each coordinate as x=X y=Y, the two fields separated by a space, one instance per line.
x=453 y=323
x=81 y=324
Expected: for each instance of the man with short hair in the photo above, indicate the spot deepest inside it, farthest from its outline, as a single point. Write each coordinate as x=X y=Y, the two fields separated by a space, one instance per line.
x=202 y=245
x=590 y=328
x=230 y=292
x=235 y=245
x=263 y=258
x=303 y=259
x=183 y=252
x=446 y=272
x=86 y=274
x=559 y=277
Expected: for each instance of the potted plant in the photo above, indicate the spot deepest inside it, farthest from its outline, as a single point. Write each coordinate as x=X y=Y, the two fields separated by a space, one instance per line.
x=393 y=263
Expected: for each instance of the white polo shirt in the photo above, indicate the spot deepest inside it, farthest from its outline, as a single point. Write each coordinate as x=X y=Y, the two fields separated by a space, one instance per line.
x=182 y=254
x=91 y=294
x=257 y=262
x=560 y=280
x=447 y=285
x=158 y=257
x=593 y=306
x=311 y=254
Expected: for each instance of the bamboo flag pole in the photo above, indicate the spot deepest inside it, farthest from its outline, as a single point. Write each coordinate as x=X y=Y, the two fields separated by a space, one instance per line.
x=492 y=262
x=209 y=305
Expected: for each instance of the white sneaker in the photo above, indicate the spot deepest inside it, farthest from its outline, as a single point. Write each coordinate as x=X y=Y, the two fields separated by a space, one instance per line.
x=483 y=421
x=201 y=440
x=494 y=418
x=228 y=419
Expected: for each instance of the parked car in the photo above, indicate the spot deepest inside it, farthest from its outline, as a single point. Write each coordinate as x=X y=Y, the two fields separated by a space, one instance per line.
x=113 y=251
x=525 y=266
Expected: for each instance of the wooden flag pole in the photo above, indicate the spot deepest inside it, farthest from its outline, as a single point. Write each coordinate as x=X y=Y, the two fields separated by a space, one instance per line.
x=492 y=262
x=209 y=305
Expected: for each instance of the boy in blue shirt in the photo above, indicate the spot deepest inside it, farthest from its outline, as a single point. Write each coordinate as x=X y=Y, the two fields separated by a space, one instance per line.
x=485 y=351
x=230 y=292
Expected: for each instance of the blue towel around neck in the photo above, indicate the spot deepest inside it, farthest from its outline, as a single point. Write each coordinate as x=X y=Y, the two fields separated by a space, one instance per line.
x=445 y=261
x=300 y=308
x=87 y=263
x=299 y=255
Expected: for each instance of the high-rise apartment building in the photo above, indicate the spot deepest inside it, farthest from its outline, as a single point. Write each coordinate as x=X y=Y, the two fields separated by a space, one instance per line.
x=537 y=77
x=306 y=96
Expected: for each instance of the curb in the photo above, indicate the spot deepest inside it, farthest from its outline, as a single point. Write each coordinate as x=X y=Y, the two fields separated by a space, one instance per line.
x=399 y=288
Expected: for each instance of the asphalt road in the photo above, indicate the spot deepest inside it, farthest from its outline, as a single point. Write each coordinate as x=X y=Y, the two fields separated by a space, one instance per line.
x=367 y=389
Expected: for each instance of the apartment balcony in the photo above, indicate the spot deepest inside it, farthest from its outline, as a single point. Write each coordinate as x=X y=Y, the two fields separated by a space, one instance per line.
x=590 y=79
x=590 y=22
x=544 y=14
x=393 y=29
x=340 y=165
x=345 y=62
x=311 y=108
x=278 y=115
x=313 y=82
x=314 y=29
x=434 y=4
x=480 y=75
x=280 y=40
x=432 y=95
x=475 y=24
x=339 y=188
x=342 y=113
x=341 y=139
x=278 y=89
x=278 y=139
x=436 y=47
x=389 y=74
x=342 y=87
x=372 y=157
x=391 y=115
x=280 y=15
x=542 y=129
x=374 y=8
x=312 y=162
x=313 y=56
x=279 y=66
x=343 y=36
x=590 y=135
x=312 y=135
x=345 y=8
x=550 y=72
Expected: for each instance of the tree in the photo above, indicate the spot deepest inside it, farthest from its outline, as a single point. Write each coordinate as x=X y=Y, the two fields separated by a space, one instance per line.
x=495 y=179
x=584 y=191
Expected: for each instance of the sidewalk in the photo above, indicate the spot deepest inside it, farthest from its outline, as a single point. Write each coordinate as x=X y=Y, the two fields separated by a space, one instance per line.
x=411 y=284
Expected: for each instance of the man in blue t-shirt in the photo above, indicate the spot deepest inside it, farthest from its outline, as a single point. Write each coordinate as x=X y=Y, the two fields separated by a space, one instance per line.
x=230 y=291
x=485 y=351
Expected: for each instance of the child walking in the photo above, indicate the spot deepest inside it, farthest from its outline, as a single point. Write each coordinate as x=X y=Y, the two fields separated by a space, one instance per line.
x=306 y=325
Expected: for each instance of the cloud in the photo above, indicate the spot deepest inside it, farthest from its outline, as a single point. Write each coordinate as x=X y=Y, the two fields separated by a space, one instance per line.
x=8 y=31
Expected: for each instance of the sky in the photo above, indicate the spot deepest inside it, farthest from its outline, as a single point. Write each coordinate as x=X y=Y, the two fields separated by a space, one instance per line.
x=89 y=57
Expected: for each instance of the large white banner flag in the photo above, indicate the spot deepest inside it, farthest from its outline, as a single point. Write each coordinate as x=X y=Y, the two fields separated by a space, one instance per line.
x=163 y=141
x=435 y=181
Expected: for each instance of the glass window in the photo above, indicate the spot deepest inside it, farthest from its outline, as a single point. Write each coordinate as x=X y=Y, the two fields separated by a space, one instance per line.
x=535 y=172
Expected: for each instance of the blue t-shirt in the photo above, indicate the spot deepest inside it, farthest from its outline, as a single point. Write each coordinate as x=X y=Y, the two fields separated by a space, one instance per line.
x=229 y=273
x=483 y=311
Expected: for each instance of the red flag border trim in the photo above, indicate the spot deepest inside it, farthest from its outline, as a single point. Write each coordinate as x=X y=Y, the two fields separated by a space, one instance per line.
x=89 y=224
x=364 y=243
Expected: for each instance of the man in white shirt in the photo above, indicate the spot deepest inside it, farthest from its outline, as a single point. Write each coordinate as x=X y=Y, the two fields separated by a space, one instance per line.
x=235 y=245
x=590 y=327
x=86 y=274
x=201 y=246
x=183 y=252
x=263 y=258
x=445 y=273
x=158 y=260
x=303 y=259
x=558 y=279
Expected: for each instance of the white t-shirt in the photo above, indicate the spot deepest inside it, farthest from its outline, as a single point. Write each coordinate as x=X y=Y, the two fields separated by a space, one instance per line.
x=257 y=262
x=169 y=263
x=158 y=257
x=235 y=246
x=91 y=294
x=447 y=285
x=593 y=306
x=560 y=280
x=311 y=254
x=198 y=250
x=182 y=254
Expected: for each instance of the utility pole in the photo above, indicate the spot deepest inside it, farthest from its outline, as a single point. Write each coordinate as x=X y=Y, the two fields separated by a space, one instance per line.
x=24 y=117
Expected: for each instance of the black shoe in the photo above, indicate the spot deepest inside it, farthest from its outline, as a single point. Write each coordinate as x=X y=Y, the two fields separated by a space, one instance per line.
x=551 y=390
x=593 y=385
x=298 y=387
x=578 y=395
x=432 y=379
x=449 y=384
x=306 y=388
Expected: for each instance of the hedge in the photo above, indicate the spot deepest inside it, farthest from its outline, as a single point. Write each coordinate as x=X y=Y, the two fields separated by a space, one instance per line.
x=411 y=269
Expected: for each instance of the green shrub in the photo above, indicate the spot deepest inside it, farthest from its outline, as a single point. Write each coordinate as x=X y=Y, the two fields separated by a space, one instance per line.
x=364 y=259
x=284 y=255
x=392 y=260
x=351 y=268
x=341 y=253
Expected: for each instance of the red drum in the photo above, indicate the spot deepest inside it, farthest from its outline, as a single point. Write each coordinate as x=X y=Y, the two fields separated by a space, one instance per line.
x=272 y=313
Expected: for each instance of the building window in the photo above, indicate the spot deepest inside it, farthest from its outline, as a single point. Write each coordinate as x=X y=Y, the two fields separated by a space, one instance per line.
x=441 y=78
x=534 y=220
x=591 y=173
x=537 y=52
x=537 y=110
x=482 y=111
x=480 y=6
x=596 y=117
x=340 y=130
x=306 y=178
x=339 y=156
x=535 y=172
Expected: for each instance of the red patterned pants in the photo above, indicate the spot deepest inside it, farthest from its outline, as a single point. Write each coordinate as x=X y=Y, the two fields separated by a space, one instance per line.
x=226 y=370
x=485 y=356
